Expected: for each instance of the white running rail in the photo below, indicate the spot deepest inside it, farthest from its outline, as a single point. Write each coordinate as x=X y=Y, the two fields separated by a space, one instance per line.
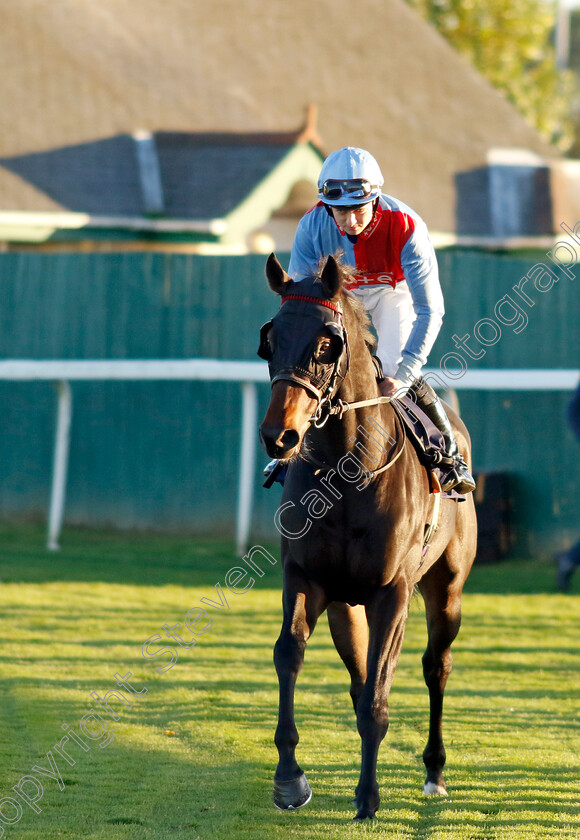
x=248 y=374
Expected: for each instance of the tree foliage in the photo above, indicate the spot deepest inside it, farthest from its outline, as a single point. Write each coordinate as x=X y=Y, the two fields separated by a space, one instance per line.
x=510 y=42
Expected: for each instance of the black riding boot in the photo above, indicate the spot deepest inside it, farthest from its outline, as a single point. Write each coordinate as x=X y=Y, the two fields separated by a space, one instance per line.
x=458 y=477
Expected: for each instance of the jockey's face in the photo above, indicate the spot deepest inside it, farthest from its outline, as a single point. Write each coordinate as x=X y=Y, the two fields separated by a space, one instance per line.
x=353 y=220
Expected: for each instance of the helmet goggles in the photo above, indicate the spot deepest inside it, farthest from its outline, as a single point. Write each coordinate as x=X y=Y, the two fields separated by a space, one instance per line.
x=354 y=188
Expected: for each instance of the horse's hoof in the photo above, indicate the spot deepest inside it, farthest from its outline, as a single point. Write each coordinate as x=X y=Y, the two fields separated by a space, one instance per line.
x=365 y=814
x=367 y=803
x=292 y=794
x=434 y=789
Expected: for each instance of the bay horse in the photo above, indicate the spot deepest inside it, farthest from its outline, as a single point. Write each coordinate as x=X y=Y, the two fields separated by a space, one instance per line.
x=354 y=511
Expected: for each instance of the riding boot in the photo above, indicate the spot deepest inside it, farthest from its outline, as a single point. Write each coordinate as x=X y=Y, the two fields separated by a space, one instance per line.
x=458 y=478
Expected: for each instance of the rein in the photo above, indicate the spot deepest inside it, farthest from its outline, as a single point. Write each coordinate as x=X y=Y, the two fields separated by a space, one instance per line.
x=399 y=442
x=340 y=407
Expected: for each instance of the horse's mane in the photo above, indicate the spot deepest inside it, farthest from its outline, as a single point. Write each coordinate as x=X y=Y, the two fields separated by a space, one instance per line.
x=355 y=306
x=362 y=318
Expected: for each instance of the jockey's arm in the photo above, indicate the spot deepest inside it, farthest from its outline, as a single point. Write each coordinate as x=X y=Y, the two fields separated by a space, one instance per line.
x=419 y=265
x=303 y=258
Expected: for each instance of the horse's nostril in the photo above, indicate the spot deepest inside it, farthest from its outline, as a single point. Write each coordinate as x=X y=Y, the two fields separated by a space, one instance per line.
x=289 y=439
x=268 y=435
x=277 y=442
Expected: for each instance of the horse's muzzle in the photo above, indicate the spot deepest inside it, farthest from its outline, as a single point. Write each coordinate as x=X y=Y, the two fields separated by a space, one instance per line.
x=279 y=443
x=287 y=419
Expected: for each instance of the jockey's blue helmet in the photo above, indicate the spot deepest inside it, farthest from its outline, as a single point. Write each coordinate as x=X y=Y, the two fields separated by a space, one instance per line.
x=349 y=177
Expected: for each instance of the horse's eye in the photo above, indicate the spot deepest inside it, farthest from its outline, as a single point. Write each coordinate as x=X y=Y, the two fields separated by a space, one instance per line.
x=323 y=349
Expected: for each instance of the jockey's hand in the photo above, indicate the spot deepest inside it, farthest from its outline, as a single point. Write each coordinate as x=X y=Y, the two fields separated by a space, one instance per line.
x=389 y=386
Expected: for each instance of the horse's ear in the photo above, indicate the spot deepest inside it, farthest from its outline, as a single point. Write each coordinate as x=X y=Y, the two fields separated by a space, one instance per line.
x=331 y=277
x=276 y=276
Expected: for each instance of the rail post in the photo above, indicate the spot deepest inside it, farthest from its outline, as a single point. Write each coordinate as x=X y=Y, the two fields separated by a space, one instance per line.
x=60 y=464
x=247 y=465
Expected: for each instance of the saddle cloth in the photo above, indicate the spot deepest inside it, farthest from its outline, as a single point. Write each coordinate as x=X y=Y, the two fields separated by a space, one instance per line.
x=426 y=438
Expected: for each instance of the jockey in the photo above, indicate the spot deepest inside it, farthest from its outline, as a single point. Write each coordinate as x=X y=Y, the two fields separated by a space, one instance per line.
x=396 y=278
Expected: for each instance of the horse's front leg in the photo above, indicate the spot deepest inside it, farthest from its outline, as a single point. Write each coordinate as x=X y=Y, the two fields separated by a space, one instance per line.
x=350 y=633
x=387 y=616
x=303 y=603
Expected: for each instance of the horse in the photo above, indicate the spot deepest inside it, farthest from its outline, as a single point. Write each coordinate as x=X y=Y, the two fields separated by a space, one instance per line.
x=355 y=506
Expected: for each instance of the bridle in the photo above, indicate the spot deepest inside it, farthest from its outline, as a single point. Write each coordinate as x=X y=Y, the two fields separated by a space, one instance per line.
x=322 y=388
x=327 y=406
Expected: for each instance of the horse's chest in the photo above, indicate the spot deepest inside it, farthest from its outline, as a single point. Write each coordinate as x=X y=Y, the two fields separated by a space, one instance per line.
x=349 y=540
x=350 y=556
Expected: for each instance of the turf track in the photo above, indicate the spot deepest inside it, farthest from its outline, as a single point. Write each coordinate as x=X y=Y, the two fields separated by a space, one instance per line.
x=193 y=757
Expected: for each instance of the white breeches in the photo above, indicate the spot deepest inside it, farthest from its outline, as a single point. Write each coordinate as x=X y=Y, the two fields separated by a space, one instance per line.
x=392 y=314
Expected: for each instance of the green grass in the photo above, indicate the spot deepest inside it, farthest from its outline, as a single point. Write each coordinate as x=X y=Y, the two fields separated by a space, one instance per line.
x=194 y=756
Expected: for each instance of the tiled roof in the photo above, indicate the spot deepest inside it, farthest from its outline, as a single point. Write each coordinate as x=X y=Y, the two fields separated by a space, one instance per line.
x=205 y=176
x=100 y=177
x=77 y=73
x=202 y=175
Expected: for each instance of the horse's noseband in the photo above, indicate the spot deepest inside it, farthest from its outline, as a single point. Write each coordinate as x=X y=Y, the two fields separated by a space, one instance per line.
x=292 y=358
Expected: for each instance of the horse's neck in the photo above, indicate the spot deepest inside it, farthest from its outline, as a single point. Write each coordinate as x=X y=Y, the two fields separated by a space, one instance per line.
x=366 y=427
x=360 y=382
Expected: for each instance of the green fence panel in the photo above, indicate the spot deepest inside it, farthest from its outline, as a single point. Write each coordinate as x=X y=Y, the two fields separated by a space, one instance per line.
x=166 y=454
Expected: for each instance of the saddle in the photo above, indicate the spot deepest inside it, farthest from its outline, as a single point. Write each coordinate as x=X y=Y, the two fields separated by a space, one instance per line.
x=428 y=442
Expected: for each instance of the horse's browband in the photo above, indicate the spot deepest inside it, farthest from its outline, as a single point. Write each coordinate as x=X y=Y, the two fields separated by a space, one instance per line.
x=319 y=301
